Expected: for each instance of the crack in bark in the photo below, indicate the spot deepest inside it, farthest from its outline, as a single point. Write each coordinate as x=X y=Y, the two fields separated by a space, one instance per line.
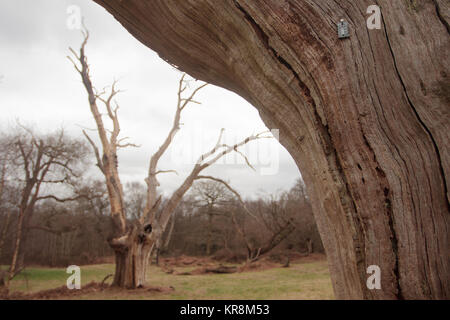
x=345 y=195
x=422 y=123
x=440 y=17
x=394 y=239
x=435 y=146
x=386 y=190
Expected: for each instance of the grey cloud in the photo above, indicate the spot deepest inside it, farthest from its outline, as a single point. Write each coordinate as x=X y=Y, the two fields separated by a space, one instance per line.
x=40 y=86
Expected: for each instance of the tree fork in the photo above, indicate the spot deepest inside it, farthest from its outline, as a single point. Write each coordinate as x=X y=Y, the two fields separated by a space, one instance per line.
x=132 y=253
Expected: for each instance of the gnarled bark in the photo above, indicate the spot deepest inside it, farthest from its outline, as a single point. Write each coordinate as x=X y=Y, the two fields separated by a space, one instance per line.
x=365 y=118
x=132 y=253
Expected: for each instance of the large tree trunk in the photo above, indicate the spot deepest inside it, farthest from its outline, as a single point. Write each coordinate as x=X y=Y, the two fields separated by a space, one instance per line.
x=365 y=118
x=132 y=253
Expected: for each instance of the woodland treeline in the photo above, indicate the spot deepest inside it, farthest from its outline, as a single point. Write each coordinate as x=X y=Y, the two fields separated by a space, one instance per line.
x=67 y=213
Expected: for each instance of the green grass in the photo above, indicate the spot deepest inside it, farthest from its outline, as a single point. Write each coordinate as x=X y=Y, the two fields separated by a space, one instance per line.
x=35 y=279
x=300 y=281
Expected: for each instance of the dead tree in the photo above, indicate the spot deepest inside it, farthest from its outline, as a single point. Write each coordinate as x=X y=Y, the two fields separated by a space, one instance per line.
x=133 y=243
x=364 y=117
x=52 y=159
x=278 y=230
x=209 y=195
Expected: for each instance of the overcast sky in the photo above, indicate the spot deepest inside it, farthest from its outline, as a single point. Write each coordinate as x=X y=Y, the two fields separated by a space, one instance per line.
x=39 y=86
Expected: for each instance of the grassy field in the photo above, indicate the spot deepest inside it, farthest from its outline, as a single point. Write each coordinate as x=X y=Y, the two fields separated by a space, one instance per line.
x=307 y=280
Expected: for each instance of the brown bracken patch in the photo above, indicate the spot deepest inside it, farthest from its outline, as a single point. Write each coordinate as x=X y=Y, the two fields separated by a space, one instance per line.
x=64 y=293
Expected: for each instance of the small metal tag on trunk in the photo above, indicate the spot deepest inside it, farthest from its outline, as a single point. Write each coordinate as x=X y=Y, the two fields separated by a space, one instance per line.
x=343 y=31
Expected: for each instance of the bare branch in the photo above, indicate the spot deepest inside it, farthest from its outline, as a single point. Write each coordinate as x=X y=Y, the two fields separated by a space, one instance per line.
x=54 y=231
x=126 y=145
x=56 y=181
x=151 y=180
x=191 y=97
x=97 y=154
x=213 y=150
x=232 y=190
x=149 y=213
x=166 y=171
x=62 y=199
x=229 y=149
x=245 y=158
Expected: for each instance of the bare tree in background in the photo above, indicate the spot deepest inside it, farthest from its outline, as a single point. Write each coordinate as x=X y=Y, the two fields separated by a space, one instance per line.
x=209 y=196
x=133 y=242
x=135 y=199
x=275 y=220
x=4 y=160
x=296 y=201
x=39 y=161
